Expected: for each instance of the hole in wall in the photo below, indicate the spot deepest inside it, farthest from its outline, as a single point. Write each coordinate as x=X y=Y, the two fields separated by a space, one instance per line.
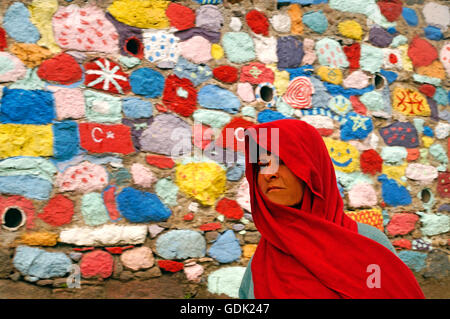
x=266 y=93
x=134 y=47
x=425 y=195
x=13 y=218
x=379 y=82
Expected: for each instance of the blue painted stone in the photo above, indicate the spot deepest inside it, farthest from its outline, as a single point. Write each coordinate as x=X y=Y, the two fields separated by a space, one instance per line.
x=386 y=217
x=341 y=190
x=136 y=108
x=393 y=193
x=303 y=2
x=400 y=134
x=321 y=97
x=334 y=89
x=290 y=52
x=181 y=244
x=440 y=96
x=410 y=16
x=141 y=207
x=226 y=248
x=214 y=97
x=356 y=126
x=305 y=70
x=235 y=172
x=433 y=33
x=209 y=1
x=17 y=24
x=39 y=263
x=392 y=30
x=26 y=185
x=121 y=176
x=147 y=82
x=26 y=107
x=389 y=75
x=316 y=21
x=269 y=116
x=416 y=261
x=428 y=131
x=65 y=140
x=197 y=73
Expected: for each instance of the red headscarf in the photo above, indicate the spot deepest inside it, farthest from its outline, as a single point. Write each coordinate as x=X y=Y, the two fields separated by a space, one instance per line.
x=314 y=251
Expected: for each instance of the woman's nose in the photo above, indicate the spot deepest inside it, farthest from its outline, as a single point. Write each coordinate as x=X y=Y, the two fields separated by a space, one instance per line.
x=271 y=175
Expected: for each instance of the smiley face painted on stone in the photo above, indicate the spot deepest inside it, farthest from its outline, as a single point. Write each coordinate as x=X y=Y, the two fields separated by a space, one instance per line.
x=345 y=157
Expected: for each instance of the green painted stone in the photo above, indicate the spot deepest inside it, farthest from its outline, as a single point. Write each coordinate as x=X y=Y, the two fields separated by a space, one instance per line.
x=372 y=100
x=102 y=108
x=238 y=47
x=93 y=209
x=216 y=119
x=167 y=191
x=371 y=58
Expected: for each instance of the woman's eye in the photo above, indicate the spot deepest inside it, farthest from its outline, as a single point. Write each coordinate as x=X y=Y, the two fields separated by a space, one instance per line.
x=263 y=163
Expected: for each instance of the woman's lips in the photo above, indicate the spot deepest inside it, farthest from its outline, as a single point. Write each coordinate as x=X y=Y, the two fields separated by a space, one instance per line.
x=274 y=189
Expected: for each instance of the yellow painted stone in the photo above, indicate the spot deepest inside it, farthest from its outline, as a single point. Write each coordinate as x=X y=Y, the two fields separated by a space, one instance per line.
x=373 y=217
x=216 y=51
x=41 y=238
x=406 y=61
x=427 y=141
x=345 y=157
x=248 y=250
x=330 y=75
x=395 y=172
x=41 y=12
x=30 y=54
x=204 y=181
x=410 y=102
x=141 y=13
x=25 y=140
x=434 y=70
x=281 y=81
x=351 y=29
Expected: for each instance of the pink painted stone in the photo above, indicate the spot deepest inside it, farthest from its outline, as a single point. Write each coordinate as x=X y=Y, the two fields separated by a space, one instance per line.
x=193 y=273
x=444 y=55
x=196 y=49
x=96 y=263
x=142 y=175
x=84 y=29
x=310 y=54
x=362 y=195
x=69 y=103
x=245 y=92
x=85 y=177
x=356 y=80
x=138 y=258
x=16 y=70
x=402 y=223
x=243 y=195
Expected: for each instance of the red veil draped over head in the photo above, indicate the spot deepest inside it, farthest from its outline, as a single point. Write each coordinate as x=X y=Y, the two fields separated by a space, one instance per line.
x=314 y=251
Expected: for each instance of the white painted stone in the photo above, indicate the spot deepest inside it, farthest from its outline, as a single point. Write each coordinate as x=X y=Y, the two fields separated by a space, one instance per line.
x=235 y=24
x=437 y=15
x=442 y=130
x=421 y=172
x=226 y=280
x=319 y=121
x=266 y=49
x=281 y=23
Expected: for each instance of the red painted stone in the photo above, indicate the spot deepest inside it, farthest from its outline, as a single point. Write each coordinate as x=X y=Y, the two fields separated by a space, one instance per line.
x=109 y=198
x=226 y=73
x=427 y=89
x=58 y=211
x=370 y=162
x=325 y=131
x=180 y=95
x=258 y=22
x=161 y=108
x=170 y=265
x=210 y=226
x=97 y=263
x=102 y=138
x=24 y=204
x=117 y=250
x=413 y=154
x=421 y=52
x=256 y=73
x=62 y=69
x=160 y=161
x=103 y=74
x=353 y=53
x=3 y=40
x=443 y=184
x=202 y=135
x=84 y=249
x=230 y=208
x=180 y=17
x=402 y=243
x=391 y=9
x=232 y=135
x=357 y=105
x=402 y=223
x=188 y=216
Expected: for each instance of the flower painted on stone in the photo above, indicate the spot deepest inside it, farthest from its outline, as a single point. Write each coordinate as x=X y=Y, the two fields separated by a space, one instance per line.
x=103 y=74
x=180 y=95
x=345 y=157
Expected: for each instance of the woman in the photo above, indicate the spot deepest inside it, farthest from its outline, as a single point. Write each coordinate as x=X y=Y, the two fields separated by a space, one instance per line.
x=309 y=248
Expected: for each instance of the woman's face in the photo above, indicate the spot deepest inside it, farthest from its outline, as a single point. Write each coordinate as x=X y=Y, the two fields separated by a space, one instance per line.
x=277 y=181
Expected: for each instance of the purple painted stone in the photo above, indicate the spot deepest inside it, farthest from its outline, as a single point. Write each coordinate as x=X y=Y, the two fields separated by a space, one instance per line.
x=434 y=109
x=137 y=127
x=380 y=37
x=444 y=208
x=400 y=134
x=290 y=52
x=127 y=32
x=211 y=36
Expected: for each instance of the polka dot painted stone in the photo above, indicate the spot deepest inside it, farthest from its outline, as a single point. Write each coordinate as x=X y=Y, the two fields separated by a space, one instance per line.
x=371 y=217
x=329 y=53
x=444 y=56
x=443 y=186
x=161 y=46
x=400 y=134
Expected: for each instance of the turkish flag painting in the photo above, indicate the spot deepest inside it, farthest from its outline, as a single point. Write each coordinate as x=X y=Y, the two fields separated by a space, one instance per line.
x=102 y=138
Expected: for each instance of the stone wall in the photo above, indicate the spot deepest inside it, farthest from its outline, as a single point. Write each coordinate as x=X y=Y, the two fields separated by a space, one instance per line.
x=113 y=119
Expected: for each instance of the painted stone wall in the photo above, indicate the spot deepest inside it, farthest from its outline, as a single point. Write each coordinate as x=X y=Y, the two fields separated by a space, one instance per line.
x=114 y=157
